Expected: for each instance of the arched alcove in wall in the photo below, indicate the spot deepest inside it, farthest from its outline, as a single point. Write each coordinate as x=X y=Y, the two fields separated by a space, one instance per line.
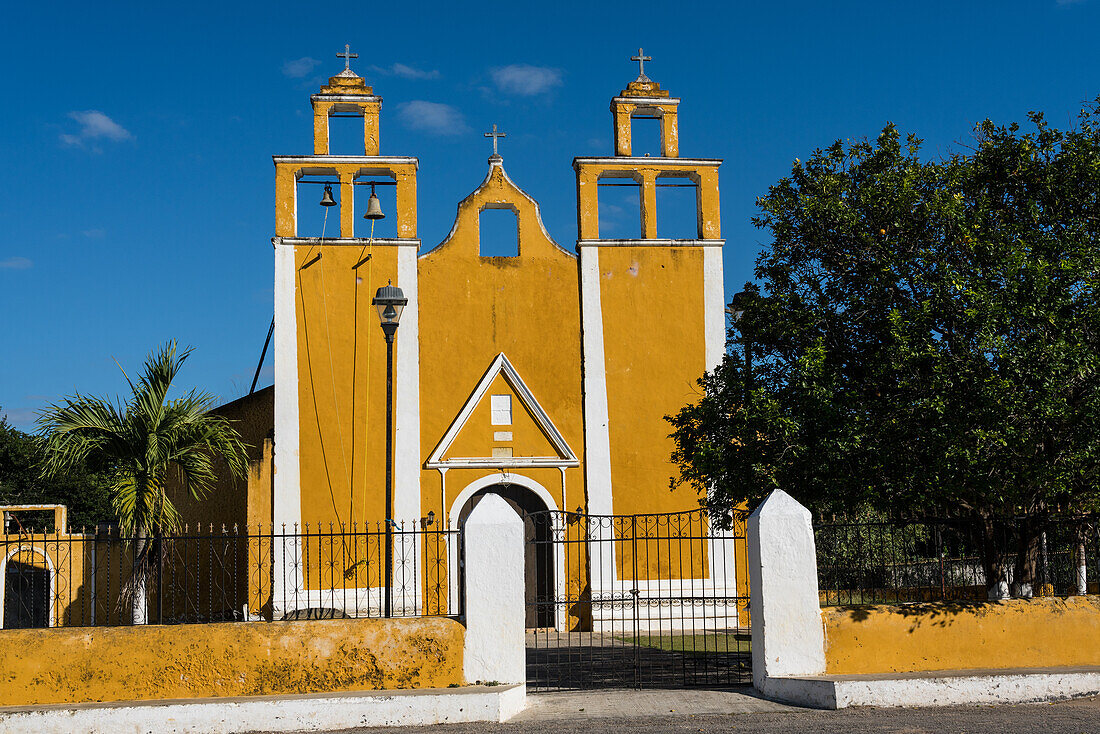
x=27 y=589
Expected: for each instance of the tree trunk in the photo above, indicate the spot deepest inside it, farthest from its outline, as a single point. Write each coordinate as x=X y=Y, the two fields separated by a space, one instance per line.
x=139 y=606
x=996 y=585
x=1045 y=555
x=1024 y=573
x=1079 y=556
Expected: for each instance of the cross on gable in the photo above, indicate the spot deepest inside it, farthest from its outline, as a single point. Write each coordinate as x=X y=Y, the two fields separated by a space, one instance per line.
x=347 y=56
x=641 y=59
x=495 y=136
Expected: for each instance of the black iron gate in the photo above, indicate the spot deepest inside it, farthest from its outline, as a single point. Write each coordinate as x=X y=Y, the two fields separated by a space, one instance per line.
x=637 y=601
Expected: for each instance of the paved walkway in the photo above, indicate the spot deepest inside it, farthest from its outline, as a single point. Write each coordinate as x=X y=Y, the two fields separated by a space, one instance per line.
x=647 y=717
x=633 y=703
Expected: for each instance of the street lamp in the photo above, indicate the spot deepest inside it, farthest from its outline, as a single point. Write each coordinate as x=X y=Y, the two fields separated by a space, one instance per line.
x=390 y=302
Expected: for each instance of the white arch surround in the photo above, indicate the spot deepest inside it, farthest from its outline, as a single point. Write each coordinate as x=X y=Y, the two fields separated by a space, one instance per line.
x=501 y=477
x=4 y=579
x=504 y=477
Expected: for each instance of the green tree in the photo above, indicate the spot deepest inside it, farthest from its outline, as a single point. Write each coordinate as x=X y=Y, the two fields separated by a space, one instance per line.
x=83 y=489
x=139 y=443
x=928 y=336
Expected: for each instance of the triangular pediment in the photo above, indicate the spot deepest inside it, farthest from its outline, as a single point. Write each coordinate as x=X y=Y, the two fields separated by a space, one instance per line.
x=541 y=432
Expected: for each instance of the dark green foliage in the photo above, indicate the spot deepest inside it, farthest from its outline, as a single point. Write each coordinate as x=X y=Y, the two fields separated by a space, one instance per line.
x=82 y=489
x=929 y=335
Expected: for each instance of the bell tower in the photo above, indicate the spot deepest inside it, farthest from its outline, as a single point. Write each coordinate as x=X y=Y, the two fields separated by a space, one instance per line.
x=651 y=307
x=330 y=351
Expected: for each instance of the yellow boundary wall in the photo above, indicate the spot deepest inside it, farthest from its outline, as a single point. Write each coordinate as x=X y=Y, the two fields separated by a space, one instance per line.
x=1014 y=633
x=74 y=665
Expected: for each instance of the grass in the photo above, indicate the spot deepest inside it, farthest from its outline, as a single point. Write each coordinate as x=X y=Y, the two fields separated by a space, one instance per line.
x=725 y=642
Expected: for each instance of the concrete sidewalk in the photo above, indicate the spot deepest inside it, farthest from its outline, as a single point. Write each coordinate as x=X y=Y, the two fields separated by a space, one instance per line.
x=644 y=717
x=616 y=703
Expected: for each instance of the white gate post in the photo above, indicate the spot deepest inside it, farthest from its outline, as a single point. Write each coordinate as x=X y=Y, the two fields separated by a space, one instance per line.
x=788 y=637
x=495 y=613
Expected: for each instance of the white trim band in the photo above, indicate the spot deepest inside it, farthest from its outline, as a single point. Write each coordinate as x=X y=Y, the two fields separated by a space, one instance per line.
x=341 y=159
x=658 y=161
x=650 y=243
x=346 y=241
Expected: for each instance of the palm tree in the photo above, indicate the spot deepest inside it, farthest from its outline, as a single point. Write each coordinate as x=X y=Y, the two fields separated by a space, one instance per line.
x=139 y=443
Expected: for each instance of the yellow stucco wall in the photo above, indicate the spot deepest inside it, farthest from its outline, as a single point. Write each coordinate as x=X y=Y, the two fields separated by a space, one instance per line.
x=234 y=501
x=209 y=660
x=1015 y=633
x=526 y=307
x=654 y=352
x=341 y=382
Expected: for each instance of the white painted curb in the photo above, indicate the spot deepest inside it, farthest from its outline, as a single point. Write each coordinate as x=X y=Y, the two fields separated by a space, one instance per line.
x=932 y=690
x=311 y=712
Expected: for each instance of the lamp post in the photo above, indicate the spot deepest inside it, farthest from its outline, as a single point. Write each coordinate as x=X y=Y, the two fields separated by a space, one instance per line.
x=390 y=301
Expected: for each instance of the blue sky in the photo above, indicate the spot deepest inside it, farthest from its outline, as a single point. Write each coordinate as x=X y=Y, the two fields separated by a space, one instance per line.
x=136 y=204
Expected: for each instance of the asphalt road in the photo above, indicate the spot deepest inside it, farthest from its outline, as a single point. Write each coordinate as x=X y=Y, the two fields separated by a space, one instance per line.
x=1068 y=717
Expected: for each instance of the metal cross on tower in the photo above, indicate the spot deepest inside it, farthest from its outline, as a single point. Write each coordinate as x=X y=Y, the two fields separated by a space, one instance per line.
x=495 y=135
x=641 y=59
x=347 y=56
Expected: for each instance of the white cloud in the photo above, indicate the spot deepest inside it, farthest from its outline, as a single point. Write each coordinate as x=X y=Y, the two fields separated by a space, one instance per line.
x=299 y=68
x=16 y=263
x=94 y=125
x=20 y=417
x=610 y=214
x=526 y=80
x=95 y=233
x=432 y=117
x=406 y=72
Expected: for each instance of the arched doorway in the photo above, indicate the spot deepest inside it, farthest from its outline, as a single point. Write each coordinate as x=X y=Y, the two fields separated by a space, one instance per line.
x=26 y=590
x=539 y=560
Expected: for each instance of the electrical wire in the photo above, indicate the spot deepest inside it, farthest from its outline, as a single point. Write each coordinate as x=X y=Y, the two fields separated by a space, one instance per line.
x=332 y=370
x=366 y=417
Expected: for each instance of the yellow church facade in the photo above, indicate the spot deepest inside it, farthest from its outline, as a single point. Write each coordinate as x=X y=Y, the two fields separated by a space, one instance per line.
x=544 y=376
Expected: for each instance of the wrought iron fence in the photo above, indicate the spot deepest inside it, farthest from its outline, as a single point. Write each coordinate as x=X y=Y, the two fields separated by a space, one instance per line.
x=636 y=600
x=228 y=574
x=862 y=561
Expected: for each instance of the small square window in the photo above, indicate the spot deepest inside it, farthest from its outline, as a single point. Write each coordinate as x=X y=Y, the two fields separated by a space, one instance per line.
x=502 y=452
x=501 y=408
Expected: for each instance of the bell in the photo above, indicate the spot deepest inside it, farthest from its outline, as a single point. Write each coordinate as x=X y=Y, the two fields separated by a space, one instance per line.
x=327 y=199
x=374 y=207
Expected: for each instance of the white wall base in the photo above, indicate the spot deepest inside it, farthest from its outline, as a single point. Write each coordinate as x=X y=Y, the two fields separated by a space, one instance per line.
x=929 y=689
x=311 y=712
